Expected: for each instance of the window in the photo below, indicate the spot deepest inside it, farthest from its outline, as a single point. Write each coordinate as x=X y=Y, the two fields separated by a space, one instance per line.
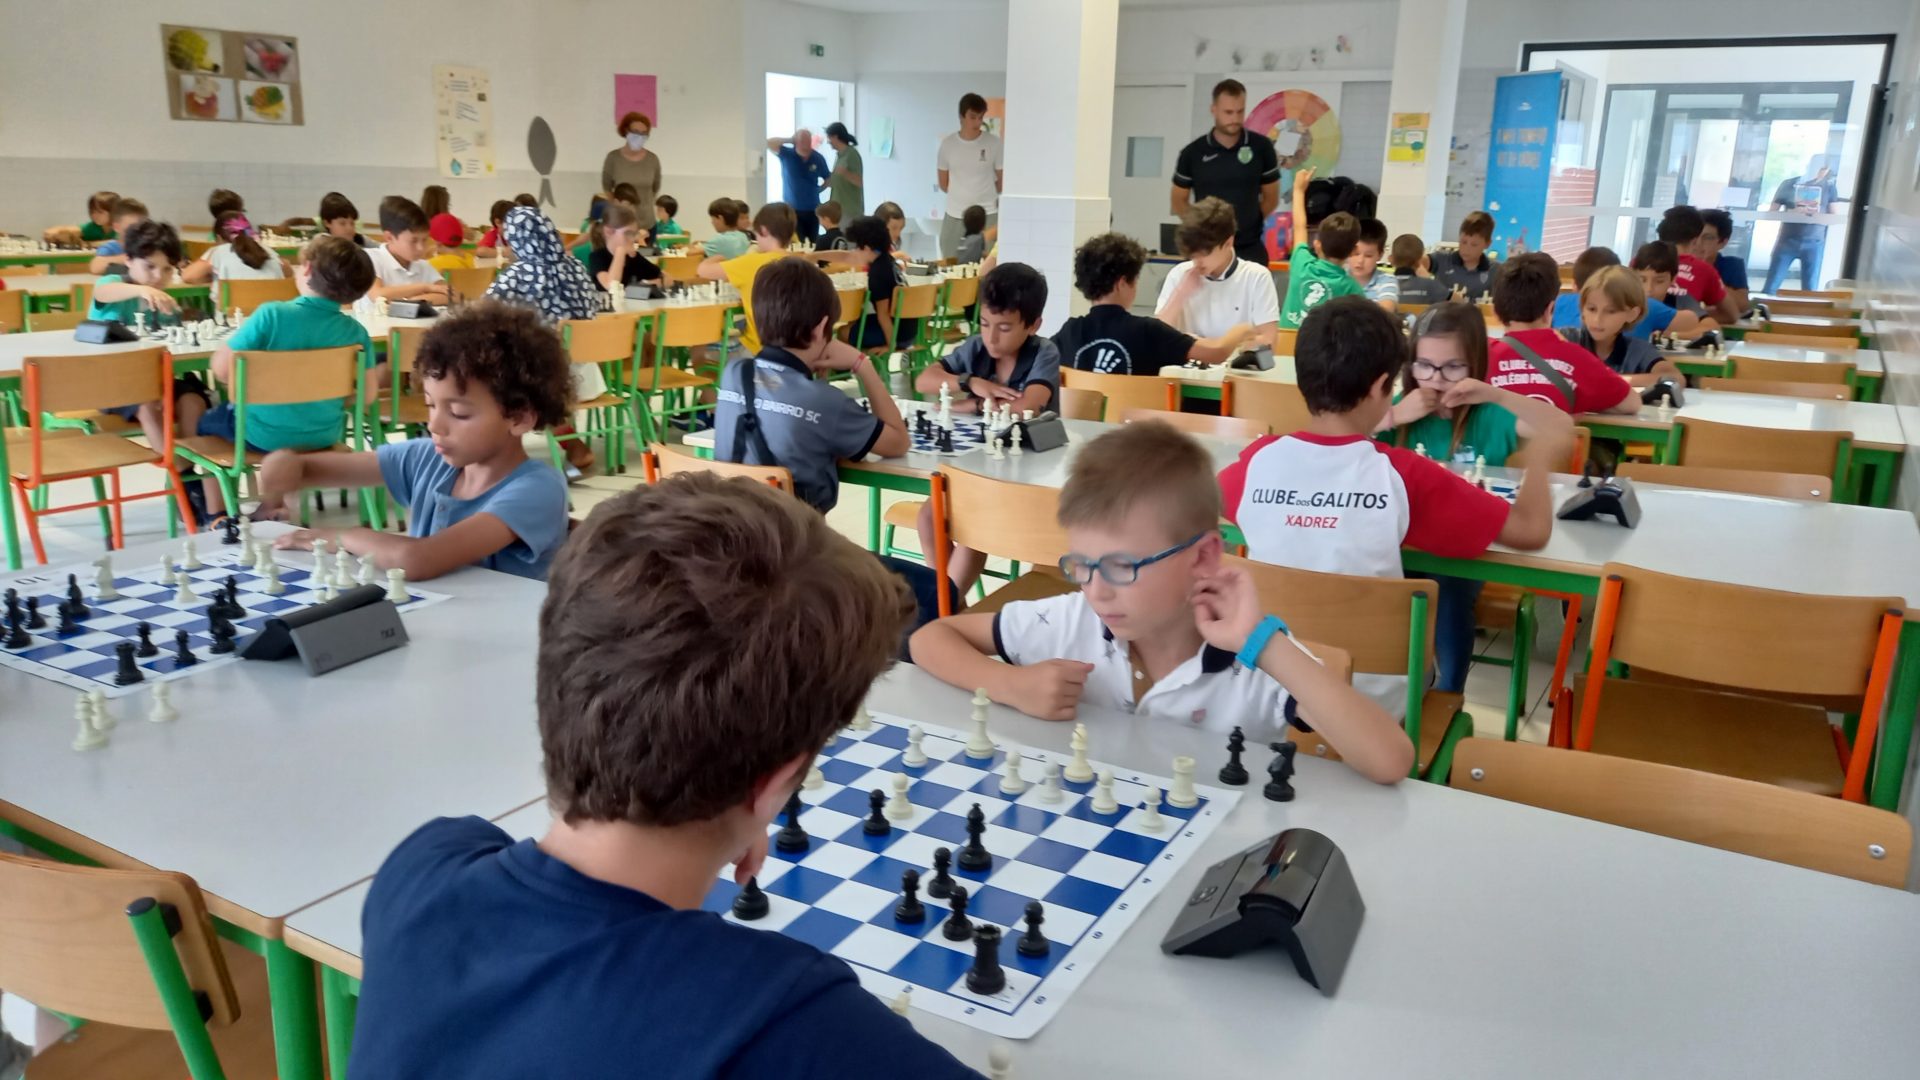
x=1144 y=155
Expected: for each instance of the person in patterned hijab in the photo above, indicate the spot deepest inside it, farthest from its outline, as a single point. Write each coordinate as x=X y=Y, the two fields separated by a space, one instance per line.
x=545 y=276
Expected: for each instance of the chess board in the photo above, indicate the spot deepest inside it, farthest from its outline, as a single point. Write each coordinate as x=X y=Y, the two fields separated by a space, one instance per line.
x=85 y=660
x=968 y=436
x=1093 y=872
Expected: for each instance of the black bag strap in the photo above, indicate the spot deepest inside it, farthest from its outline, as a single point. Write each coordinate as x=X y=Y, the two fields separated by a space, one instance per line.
x=1545 y=369
x=748 y=426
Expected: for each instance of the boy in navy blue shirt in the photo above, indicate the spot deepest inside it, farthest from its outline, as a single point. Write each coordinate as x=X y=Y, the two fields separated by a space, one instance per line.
x=682 y=693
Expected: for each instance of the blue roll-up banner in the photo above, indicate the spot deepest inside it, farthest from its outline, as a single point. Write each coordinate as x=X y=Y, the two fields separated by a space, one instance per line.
x=1526 y=109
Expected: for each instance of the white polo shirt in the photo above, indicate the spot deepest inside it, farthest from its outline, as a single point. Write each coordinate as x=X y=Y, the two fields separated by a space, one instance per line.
x=970 y=165
x=1244 y=294
x=1211 y=690
x=389 y=271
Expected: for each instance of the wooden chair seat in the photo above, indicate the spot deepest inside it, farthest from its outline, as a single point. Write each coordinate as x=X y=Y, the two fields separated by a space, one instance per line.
x=1036 y=584
x=410 y=411
x=904 y=514
x=1439 y=713
x=604 y=401
x=215 y=449
x=671 y=378
x=1774 y=742
x=80 y=455
x=1498 y=606
x=105 y=423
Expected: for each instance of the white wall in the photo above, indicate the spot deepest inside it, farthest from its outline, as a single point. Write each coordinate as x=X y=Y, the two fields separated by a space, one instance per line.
x=774 y=38
x=1215 y=41
x=924 y=108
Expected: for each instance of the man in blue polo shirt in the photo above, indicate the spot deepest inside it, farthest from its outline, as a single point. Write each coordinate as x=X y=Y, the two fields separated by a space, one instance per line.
x=1235 y=165
x=802 y=170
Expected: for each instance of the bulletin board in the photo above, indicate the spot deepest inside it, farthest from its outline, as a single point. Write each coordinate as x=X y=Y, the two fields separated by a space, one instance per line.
x=463 y=121
x=231 y=76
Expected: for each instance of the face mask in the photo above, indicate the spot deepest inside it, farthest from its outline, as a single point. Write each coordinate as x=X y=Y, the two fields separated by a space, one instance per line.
x=636 y=141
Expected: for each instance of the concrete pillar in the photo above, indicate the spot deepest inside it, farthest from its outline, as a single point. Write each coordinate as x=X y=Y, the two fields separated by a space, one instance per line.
x=1426 y=78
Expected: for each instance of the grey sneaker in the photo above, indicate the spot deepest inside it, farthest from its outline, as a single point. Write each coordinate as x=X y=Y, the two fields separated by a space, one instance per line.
x=13 y=1057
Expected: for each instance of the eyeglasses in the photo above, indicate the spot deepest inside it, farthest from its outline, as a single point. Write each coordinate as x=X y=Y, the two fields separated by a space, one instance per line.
x=1115 y=568
x=1452 y=372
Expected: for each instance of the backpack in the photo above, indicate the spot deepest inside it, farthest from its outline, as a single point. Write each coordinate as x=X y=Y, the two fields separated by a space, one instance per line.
x=1331 y=195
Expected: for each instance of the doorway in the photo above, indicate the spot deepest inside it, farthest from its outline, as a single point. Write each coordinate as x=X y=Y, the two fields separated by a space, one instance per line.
x=796 y=101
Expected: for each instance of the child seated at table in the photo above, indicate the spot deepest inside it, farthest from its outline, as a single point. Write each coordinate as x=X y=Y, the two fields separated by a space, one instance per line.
x=341 y=218
x=238 y=256
x=491 y=373
x=830 y=215
x=489 y=246
x=1468 y=270
x=1215 y=290
x=868 y=238
x=1731 y=268
x=152 y=251
x=896 y=222
x=1317 y=273
x=1610 y=302
x=449 y=244
x=664 y=770
x=1685 y=229
x=1159 y=626
x=1382 y=287
x=1413 y=272
x=99 y=226
x=616 y=261
x=1657 y=263
x=1110 y=338
x=400 y=264
x=110 y=257
x=666 y=209
x=1533 y=360
x=728 y=241
x=973 y=245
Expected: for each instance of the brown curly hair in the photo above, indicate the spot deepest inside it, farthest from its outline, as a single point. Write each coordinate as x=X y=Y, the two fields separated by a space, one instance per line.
x=507 y=349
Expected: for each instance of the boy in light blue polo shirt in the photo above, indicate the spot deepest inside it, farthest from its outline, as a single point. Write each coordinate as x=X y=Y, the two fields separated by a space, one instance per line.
x=492 y=374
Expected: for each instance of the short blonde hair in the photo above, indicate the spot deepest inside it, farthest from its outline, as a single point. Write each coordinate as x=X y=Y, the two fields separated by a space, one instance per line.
x=1619 y=285
x=1138 y=462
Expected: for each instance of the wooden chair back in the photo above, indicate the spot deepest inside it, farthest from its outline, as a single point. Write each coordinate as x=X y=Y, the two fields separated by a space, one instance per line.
x=403 y=344
x=1000 y=517
x=1824 y=294
x=71 y=269
x=680 y=267
x=962 y=293
x=689 y=327
x=37 y=270
x=1798 y=337
x=853 y=301
x=1125 y=392
x=1736 y=446
x=1747 y=367
x=1079 y=403
x=1763 y=820
x=665 y=460
x=470 y=281
x=916 y=301
x=1804 y=306
x=77 y=383
x=282 y=378
x=197 y=249
x=55 y=320
x=607 y=339
x=1283 y=342
x=1776 y=485
x=66 y=945
x=1369 y=617
x=1820 y=330
x=1819 y=391
x=1576 y=458
x=81 y=297
x=248 y=294
x=13 y=311
x=1236 y=428
x=1278 y=405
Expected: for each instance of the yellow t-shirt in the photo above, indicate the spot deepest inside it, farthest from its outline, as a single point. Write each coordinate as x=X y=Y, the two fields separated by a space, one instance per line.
x=740 y=271
x=452 y=260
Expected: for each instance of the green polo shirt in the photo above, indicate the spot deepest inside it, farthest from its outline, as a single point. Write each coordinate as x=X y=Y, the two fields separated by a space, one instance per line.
x=1312 y=281
x=94 y=234
x=1490 y=432
x=120 y=311
x=311 y=322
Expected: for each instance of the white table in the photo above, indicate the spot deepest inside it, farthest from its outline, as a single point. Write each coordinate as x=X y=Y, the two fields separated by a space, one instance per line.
x=1499 y=941
x=1874 y=426
x=15 y=348
x=1865 y=361
x=1216 y=374
x=49 y=284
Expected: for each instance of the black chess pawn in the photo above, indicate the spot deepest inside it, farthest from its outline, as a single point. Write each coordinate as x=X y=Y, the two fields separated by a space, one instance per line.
x=17 y=636
x=791 y=837
x=128 y=670
x=1233 y=772
x=221 y=628
x=1279 y=786
x=1033 y=942
x=35 y=620
x=973 y=854
x=147 y=647
x=876 y=823
x=986 y=976
x=910 y=909
x=67 y=623
x=942 y=883
x=13 y=605
x=957 y=927
x=183 y=652
x=750 y=903
x=230 y=530
x=76 y=600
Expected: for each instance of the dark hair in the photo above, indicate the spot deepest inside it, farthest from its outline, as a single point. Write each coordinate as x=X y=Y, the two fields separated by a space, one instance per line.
x=870 y=233
x=1478 y=223
x=1681 y=225
x=399 y=214
x=1525 y=287
x=241 y=238
x=498 y=212
x=1408 y=250
x=668 y=203
x=1468 y=328
x=648 y=713
x=973 y=220
x=741 y=211
x=126 y=206
x=1105 y=261
x=101 y=200
x=1344 y=347
x=791 y=297
x=338 y=269
x=777 y=220
x=507 y=348
x=627 y=193
x=1015 y=287
x=145 y=239
x=1657 y=256
x=889 y=211
x=618 y=214
x=1590 y=260
x=830 y=211
x=726 y=210
x=972 y=103
x=220 y=200
x=525 y=199
x=1372 y=231
x=1721 y=221
x=1205 y=226
x=1338 y=235
x=334 y=206
x=1228 y=88
x=434 y=201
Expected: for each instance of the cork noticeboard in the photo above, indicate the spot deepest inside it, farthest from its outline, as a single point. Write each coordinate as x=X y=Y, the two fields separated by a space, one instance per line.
x=231 y=76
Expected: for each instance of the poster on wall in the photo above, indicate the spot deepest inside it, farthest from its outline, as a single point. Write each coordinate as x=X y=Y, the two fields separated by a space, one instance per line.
x=1407 y=138
x=1526 y=110
x=1302 y=117
x=881 y=131
x=463 y=121
x=231 y=75
x=996 y=119
x=636 y=93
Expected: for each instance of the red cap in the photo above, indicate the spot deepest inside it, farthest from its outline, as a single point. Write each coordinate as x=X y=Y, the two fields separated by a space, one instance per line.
x=446 y=230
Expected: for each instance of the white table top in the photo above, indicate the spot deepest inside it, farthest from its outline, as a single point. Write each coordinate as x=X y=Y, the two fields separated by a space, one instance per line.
x=1526 y=943
x=274 y=789
x=49 y=284
x=1784 y=323
x=1215 y=374
x=1874 y=426
x=1866 y=361
x=15 y=348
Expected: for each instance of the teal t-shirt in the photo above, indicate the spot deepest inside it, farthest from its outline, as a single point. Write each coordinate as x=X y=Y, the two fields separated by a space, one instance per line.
x=729 y=245
x=1312 y=281
x=668 y=227
x=1491 y=432
x=311 y=322
x=94 y=234
x=120 y=311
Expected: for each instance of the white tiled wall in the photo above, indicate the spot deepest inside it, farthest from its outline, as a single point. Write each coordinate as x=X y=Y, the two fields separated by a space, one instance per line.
x=1043 y=231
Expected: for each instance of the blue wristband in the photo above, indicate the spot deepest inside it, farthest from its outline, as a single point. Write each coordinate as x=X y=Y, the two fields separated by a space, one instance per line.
x=1257 y=641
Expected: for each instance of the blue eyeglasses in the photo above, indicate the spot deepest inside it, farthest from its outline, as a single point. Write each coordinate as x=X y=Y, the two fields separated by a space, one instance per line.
x=1115 y=568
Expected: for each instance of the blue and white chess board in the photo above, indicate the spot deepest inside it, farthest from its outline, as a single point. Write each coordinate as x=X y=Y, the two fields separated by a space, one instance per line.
x=1093 y=872
x=85 y=660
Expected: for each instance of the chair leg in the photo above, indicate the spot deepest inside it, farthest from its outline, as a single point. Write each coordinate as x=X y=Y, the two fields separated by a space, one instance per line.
x=32 y=516
x=119 y=520
x=1523 y=640
x=107 y=529
x=180 y=506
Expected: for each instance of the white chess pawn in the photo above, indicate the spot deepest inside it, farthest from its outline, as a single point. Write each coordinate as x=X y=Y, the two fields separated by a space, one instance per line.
x=902 y=1001
x=1050 y=784
x=182 y=595
x=1103 y=800
x=1182 y=794
x=980 y=744
x=1078 y=770
x=86 y=736
x=1011 y=782
x=190 y=556
x=329 y=591
x=899 y=807
x=166 y=570
x=815 y=777
x=246 y=533
x=274 y=587
x=101 y=718
x=1420 y=448
x=915 y=755
x=1013 y=446
x=1150 y=818
x=319 y=557
x=999 y=1062
x=367 y=571
x=862 y=719
x=162 y=710
x=103 y=582
x=397 y=586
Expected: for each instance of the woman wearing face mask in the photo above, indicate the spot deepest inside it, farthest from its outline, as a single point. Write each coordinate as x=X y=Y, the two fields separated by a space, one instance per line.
x=631 y=162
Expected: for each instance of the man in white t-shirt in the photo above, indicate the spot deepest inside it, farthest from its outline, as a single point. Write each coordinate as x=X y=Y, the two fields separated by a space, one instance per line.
x=970 y=164
x=1215 y=290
